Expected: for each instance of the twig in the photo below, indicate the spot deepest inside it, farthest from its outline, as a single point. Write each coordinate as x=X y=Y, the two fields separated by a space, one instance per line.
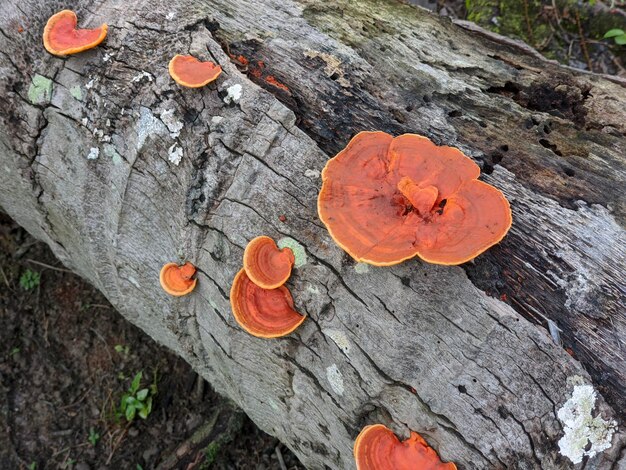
x=106 y=345
x=117 y=443
x=80 y=398
x=49 y=266
x=6 y=279
x=583 y=43
x=281 y=461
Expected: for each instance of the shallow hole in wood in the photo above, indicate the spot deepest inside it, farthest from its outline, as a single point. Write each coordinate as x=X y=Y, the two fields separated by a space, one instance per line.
x=546 y=143
x=455 y=113
x=569 y=171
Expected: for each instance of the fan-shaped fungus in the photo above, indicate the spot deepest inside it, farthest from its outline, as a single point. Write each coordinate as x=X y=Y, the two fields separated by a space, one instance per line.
x=178 y=280
x=190 y=72
x=61 y=37
x=378 y=448
x=266 y=265
x=385 y=200
x=266 y=313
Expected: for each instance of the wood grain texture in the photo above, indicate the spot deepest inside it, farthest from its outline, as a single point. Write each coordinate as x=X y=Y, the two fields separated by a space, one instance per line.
x=414 y=346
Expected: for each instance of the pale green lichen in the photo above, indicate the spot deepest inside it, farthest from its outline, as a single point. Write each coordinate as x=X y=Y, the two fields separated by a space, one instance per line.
x=362 y=268
x=76 y=92
x=40 y=90
x=111 y=152
x=584 y=434
x=298 y=250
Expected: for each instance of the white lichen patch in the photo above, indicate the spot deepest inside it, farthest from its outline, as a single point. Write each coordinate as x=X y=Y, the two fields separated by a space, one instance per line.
x=298 y=250
x=362 y=268
x=216 y=119
x=147 y=126
x=340 y=339
x=98 y=133
x=584 y=434
x=40 y=90
x=141 y=76
x=170 y=16
x=89 y=85
x=313 y=174
x=335 y=379
x=173 y=125
x=234 y=93
x=106 y=57
x=94 y=152
x=175 y=154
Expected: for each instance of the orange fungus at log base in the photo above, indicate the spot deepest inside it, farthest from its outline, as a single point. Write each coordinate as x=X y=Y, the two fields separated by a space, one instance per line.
x=265 y=313
x=61 y=37
x=385 y=200
x=178 y=280
x=378 y=448
x=267 y=265
x=190 y=72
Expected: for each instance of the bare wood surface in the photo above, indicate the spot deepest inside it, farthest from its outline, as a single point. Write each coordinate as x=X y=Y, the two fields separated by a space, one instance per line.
x=445 y=351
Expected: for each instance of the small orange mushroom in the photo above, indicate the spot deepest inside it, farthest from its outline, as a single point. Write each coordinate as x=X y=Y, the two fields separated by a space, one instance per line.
x=265 y=313
x=378 y=448
x=178 y=280
x=385 y=200
x=267 y=265
x=190 y=72
x=61 y=37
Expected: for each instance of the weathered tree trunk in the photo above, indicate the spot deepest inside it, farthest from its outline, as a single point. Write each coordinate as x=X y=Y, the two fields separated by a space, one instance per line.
x=460 y=354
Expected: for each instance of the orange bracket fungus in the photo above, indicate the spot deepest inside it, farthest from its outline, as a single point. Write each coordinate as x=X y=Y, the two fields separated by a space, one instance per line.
x=378 y=448
x=386 y=200
x=61 y=37
x=266 y=265
x=266 y=313
x=190 y=72
x=178 y=280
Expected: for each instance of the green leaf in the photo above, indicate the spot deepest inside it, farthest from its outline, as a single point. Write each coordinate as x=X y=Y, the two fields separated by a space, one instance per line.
x=142 y=394
x=136 y=381
x=130 y=413
x=621 y=40
x=131 y=401
x=613 y=32
x=139 y=467
x=143 y=414
x=123 y=401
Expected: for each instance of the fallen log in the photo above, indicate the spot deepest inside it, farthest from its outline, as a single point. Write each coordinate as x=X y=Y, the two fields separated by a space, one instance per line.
x=120 y=171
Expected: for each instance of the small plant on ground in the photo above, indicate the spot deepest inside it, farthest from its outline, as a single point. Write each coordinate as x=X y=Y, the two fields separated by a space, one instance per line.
x=210 y=454
x=618 y=35
x=122 y=349
x=137 y=401
x=30 y=279
x=94 y=437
